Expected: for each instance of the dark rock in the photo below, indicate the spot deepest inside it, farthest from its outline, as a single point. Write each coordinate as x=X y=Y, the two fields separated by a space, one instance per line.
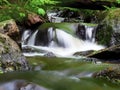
x=81 y=32
x=111 y=54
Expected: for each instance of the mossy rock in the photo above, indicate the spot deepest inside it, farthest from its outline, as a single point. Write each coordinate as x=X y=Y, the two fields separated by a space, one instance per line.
x=108 y=31
x=10 y=28
x=11 y=58
x=112 y=74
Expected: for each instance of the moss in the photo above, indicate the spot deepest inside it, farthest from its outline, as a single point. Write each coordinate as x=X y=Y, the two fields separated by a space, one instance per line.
x=104 y=35
x=113 y=14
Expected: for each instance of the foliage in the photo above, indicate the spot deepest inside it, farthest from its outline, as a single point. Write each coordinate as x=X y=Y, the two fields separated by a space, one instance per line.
x=18 y=9
x=118 y=1
x=109 y=8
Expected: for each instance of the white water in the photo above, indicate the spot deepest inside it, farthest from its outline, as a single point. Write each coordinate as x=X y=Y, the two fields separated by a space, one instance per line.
x=68 y=44
x=53 y=18
x=31 y=41
x=89 y=34
x=25 y=36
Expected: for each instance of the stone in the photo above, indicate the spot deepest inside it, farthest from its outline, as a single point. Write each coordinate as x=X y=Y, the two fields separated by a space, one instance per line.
x=33 y=19
x=83 y=53
x=10 y=28
x=11 y=57
x=110 y=54
x=112 y=74
x=108 y=31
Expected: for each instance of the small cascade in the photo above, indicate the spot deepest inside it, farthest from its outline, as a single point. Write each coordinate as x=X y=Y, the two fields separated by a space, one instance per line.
x=61 y=43
x=25 y=36
x=90 y=33
x=31 y=41
x=52 y=17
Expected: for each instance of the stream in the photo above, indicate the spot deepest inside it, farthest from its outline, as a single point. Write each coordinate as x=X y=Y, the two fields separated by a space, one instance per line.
x=57 y=74
x=50 y=51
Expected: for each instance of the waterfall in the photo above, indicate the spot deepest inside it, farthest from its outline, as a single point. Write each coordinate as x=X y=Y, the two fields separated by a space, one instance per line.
x=63 y=44
x=51 y=37
x=90 y=33
x=25 y=36
x=31 y=41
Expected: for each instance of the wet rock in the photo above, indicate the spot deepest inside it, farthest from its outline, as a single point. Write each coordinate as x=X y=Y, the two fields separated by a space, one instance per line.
x=10 y=55
x=10 y=28
x=108 y=31
x=112 y=74
x=83 y=53
x=111 y=54
x=81 y=32
x=49 y=54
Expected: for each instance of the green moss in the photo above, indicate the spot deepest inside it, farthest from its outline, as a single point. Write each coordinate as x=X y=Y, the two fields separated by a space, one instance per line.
x=104 y=35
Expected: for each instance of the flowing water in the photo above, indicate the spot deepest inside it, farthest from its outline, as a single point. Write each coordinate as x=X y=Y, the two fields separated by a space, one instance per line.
x=61 y=43
x=58 y=73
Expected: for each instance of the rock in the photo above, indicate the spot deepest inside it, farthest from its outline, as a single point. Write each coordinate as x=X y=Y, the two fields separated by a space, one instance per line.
x=83 y=53
x=10 y=28
x=49 y=54
x=112 y=74
x=111 y=54
x=10 y=55
x=34 y=19
x=108 y=31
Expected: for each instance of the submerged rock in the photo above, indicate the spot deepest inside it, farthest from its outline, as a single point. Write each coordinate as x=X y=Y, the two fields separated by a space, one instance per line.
x=10 y=55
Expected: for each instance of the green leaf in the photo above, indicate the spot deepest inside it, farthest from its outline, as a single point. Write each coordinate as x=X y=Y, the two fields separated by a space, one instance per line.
x=22 y=14
x=41 y=11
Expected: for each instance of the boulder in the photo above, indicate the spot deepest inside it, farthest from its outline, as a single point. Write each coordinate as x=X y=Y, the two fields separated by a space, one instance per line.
x=33 y=20
x=10 y=55
x=10 y=28
x=111 y=54
x=108 y=31
x=112 y=74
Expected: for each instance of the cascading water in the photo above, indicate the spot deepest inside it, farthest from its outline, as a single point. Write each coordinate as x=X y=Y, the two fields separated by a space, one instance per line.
x=90 y=35
x=25 y=36
x=53 y=18
x=63 y=44
x=31 y=41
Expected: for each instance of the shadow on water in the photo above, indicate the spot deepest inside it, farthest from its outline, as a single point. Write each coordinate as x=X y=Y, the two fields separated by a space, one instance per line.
x=57 y=74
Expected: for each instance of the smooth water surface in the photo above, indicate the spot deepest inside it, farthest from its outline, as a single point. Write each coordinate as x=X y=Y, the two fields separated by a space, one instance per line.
x=59 y=74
